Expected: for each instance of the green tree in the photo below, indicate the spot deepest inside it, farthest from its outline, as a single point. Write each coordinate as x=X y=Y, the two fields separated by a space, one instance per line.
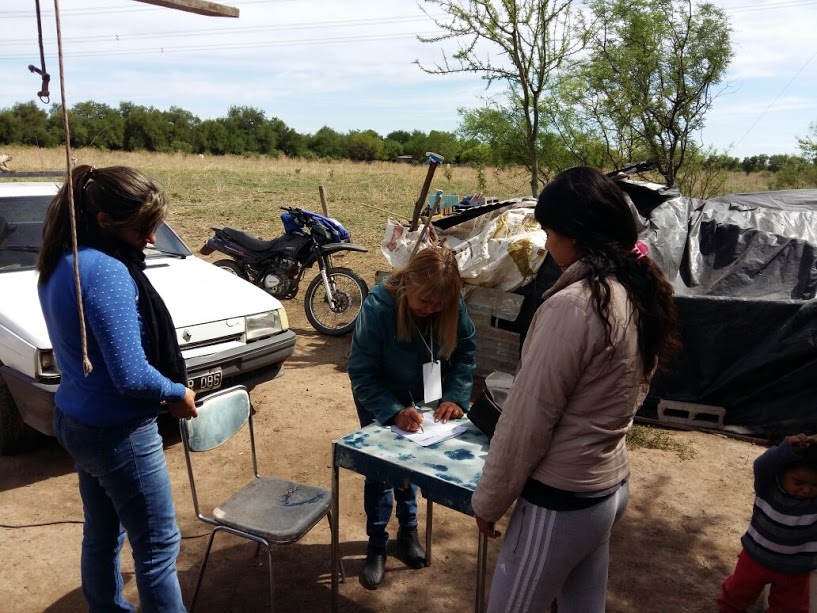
x=26 y=123
x=146 y=128
x=183 y=128
x=500 y=129
x=364 y=146
x=327 y=143
x=808 y=145
x=535 y=40
x=391 y=149
x=95 y=124
x=249 y=131
x=289 y=142
x=11 y=128
x=444 y=143
x=401 y=136
x=416 y=146
x=749 y=164
x=652 y=74
x=797 y=173
x=504 y=131
x=211 y=136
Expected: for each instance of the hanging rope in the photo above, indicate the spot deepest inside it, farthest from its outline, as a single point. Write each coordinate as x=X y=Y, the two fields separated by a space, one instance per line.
x=87 y=367
x=44 y=94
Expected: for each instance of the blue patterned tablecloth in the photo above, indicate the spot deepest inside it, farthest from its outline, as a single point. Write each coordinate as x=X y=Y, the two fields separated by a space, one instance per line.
x=446 y=472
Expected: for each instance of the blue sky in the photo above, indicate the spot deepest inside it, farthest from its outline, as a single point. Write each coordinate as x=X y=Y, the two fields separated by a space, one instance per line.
x=349 y=65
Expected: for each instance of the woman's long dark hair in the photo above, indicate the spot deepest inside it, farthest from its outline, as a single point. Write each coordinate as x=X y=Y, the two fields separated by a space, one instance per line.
x=129 y=197
x=586 y=205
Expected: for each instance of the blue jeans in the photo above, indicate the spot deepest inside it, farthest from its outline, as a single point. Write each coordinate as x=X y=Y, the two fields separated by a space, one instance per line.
x=378 y=501
x=125 y=488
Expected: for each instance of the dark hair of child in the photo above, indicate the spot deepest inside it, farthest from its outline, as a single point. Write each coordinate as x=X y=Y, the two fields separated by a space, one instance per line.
x=806 y=459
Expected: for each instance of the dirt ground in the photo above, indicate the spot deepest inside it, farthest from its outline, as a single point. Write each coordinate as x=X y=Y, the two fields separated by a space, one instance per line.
x=673 y=548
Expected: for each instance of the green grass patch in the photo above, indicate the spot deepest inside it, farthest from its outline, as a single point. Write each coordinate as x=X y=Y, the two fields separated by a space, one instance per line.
x=647 y=437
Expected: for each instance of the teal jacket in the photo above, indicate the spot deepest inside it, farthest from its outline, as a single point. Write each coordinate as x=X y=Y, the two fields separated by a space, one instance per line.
x=386 y=373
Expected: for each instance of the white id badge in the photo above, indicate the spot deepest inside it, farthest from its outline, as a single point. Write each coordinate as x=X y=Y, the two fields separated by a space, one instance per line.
x=432 y=381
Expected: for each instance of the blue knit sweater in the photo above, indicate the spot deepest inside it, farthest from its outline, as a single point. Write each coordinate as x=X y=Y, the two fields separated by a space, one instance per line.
x=782 y=535
x=123 y=386
x=386 y=373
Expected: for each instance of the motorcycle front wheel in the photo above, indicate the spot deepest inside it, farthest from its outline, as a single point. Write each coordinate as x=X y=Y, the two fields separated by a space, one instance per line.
x=338 y=316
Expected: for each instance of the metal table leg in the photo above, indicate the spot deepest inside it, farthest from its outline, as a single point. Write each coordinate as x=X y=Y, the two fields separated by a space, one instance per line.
x=429 y=515
x=482 y=567
x=334 y=530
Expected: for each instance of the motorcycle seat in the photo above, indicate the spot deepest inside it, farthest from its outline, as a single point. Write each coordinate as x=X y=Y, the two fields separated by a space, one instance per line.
x=246 y=240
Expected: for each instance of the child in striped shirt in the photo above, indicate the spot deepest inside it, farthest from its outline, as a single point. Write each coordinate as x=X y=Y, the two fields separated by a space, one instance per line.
x=780 y=546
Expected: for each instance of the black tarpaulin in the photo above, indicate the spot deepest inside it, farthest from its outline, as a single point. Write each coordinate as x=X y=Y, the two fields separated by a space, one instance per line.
x=744 y=269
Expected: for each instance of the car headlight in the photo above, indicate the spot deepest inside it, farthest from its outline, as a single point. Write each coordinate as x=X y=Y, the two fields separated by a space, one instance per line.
x=47 y=366
x=263 y=324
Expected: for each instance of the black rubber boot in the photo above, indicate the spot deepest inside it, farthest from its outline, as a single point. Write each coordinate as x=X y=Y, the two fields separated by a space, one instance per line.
x=409 y=548
x=374 y=570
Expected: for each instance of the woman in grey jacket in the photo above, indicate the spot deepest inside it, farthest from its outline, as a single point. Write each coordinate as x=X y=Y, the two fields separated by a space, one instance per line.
x=559 y=448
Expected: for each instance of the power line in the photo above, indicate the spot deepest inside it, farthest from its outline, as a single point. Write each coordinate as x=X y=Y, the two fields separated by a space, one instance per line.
x=780 y=93
x=244 y=45
x=117 y=9
x=375 y=21
x=751 y=8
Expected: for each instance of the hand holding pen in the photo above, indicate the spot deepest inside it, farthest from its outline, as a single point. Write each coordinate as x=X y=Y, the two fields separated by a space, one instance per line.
x=409 y=419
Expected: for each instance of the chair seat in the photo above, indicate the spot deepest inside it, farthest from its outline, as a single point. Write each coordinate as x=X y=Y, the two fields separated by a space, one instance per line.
x=278 y=510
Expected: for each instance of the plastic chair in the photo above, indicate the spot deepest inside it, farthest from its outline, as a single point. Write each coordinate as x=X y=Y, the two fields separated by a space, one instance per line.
x=267 y=510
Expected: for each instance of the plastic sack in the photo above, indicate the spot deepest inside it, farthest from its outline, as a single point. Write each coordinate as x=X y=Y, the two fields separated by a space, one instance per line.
x=398 y=243
x=503 y=250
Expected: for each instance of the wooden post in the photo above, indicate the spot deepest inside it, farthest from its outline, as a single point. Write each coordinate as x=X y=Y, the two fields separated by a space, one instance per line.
x=426 y=225
x=323 y=201
x=200 y=7
x=434 y=160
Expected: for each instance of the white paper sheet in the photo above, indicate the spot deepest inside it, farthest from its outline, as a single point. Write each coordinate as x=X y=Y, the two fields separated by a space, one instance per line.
x=432 y=431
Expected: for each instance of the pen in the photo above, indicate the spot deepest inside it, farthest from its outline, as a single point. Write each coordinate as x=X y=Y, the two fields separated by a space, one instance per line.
x=414 y=406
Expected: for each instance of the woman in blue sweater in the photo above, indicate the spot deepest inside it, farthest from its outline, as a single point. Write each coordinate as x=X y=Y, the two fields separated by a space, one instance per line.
x=413 y=335
x=107 y=405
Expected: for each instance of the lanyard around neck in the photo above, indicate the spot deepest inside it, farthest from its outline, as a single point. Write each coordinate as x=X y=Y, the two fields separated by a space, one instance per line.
x=423 y=338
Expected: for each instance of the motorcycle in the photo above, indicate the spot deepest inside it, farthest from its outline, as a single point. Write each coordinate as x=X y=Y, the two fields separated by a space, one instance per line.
x=333 y=299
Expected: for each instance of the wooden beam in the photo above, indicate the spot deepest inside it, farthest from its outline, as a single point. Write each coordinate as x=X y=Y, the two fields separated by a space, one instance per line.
x=200 y=7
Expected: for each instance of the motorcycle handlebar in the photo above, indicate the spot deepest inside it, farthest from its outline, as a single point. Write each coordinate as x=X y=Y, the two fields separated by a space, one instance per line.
x=299 y=214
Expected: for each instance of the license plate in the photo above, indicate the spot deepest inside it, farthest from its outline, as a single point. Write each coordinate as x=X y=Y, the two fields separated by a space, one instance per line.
x=202 y=382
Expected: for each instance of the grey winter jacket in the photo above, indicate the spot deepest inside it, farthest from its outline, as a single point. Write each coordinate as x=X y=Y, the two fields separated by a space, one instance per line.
x=572 y=400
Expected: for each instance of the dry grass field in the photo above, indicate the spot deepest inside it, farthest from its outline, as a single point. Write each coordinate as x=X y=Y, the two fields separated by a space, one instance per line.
x=245 y=193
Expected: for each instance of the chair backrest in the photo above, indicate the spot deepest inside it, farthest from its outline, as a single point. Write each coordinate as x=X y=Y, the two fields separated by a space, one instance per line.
x=221 y=415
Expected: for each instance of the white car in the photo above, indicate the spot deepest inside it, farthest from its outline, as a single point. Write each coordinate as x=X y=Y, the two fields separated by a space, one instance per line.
x=225 y=326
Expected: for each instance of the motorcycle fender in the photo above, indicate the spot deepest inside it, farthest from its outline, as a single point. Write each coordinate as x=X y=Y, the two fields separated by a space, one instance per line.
x=334 y=247
x=216 y=243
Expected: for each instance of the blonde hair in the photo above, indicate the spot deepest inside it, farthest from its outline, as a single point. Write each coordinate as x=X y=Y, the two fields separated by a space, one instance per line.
x=431 y=274
x=129 y=197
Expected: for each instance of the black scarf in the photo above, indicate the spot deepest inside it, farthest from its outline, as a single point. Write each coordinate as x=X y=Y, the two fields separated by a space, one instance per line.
x=163 y=352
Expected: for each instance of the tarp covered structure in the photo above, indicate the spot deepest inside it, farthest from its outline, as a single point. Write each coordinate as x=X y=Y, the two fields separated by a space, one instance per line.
x=744 y=269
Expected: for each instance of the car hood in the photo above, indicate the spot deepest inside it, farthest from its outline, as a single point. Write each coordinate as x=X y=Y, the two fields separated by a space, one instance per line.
x=20 y=303
x=222 y=295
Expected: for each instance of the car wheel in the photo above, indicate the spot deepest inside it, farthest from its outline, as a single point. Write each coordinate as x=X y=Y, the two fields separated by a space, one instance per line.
x=12 y=426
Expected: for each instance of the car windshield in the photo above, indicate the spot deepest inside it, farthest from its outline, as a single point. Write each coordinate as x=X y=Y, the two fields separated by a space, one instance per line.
x=21 y=229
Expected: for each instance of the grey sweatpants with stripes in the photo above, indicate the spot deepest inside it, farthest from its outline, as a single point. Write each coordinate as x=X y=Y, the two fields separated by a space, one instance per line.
x=560 y=555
